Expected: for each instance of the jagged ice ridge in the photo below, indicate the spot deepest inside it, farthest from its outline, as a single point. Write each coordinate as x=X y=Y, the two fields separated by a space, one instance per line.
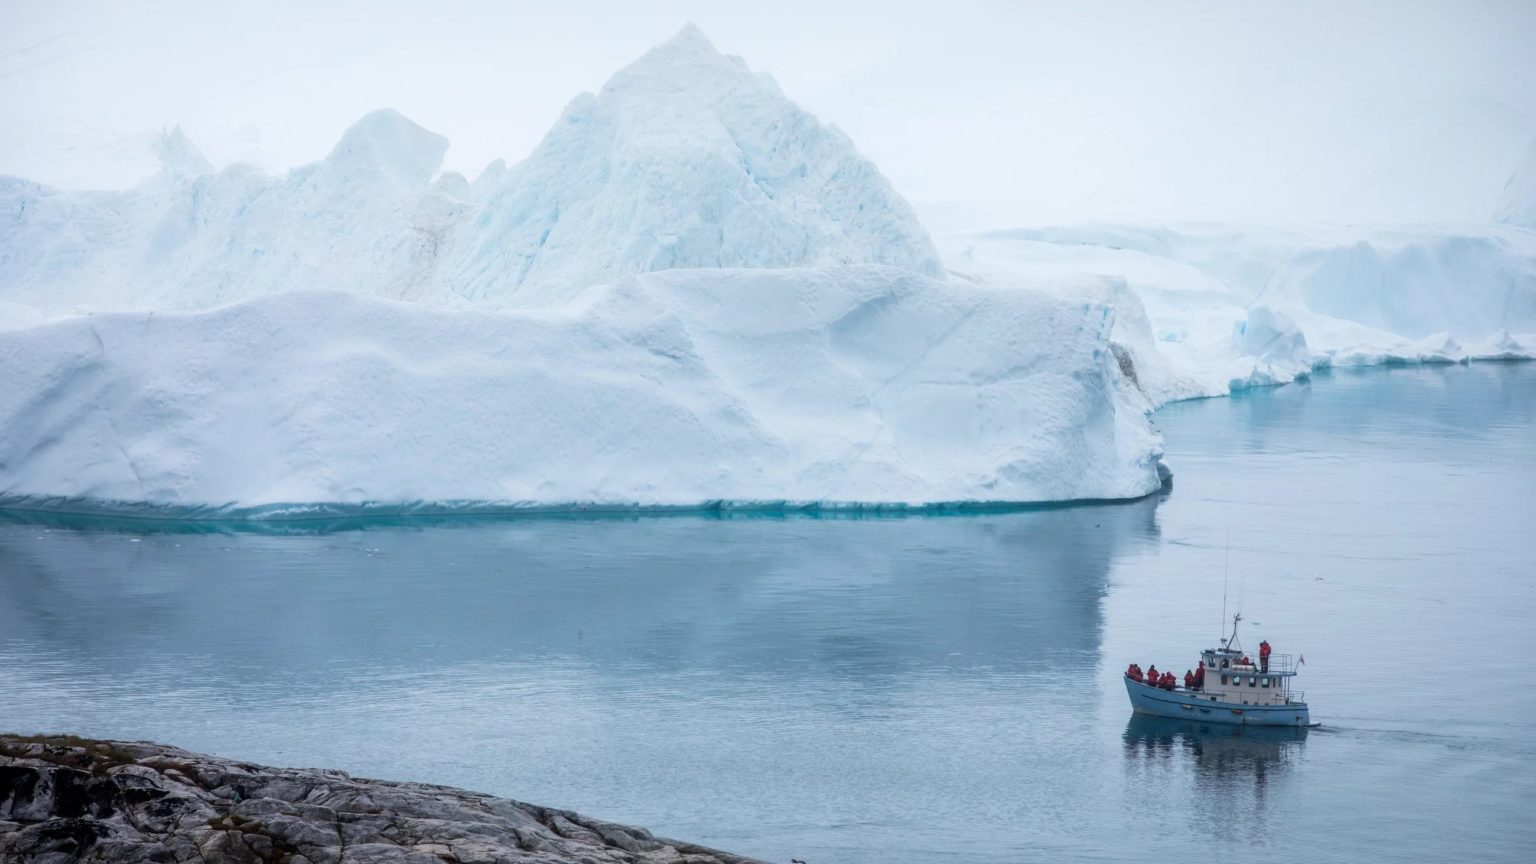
x=685 y=159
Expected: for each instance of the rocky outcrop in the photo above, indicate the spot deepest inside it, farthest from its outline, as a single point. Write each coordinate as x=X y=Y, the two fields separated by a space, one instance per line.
x=65 y=799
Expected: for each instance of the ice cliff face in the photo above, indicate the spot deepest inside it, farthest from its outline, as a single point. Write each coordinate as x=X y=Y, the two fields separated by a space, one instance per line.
x=864 y=385
x=685 y=159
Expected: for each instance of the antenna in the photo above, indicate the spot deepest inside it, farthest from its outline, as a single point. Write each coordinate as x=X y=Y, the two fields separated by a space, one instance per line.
x=1242 y=590
x=1225 y=559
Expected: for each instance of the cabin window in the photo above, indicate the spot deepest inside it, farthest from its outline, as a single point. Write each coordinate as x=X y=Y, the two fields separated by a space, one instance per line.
x=1223 y=680
x=1266 y=682
x=1253 y=680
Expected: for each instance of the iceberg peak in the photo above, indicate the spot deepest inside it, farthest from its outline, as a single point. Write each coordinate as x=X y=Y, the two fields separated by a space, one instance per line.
x=689 y=38
x=684 y=159
x=687 y=69
x=386 y=145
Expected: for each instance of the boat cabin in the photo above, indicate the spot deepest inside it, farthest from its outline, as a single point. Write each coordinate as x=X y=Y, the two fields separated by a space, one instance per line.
x=1228 y=679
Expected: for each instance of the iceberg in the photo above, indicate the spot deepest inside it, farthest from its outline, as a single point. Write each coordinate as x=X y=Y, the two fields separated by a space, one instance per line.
x=692 y=293
x=1230 y=307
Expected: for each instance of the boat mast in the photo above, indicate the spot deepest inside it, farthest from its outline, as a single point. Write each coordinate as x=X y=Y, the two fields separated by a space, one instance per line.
x=1226 y=559
x=1227 y=643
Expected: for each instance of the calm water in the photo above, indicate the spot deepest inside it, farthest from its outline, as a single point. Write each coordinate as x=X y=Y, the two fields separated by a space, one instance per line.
x=891 y=690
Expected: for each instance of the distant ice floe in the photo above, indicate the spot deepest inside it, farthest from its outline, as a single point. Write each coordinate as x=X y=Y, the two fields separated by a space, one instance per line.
x=1231 y=307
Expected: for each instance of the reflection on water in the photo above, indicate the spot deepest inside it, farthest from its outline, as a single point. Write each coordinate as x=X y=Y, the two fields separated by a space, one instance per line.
x=1230 y=768
x=867 y=601
x=873 y=689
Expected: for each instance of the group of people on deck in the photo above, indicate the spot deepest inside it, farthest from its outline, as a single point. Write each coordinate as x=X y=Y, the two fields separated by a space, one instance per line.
x=1164 y=680
x=1194 y=679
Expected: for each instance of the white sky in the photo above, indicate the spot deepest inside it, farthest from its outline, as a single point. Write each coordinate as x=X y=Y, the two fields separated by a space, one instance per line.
x=981 y=113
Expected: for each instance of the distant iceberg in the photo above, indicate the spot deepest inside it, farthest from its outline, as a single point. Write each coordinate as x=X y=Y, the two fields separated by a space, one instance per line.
x=1210 y=309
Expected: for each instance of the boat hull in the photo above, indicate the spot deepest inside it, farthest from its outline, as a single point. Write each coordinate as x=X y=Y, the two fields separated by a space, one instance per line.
x=1183 y=704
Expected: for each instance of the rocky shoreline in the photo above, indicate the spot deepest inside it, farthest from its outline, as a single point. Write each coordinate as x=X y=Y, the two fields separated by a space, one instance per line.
x=65 y=799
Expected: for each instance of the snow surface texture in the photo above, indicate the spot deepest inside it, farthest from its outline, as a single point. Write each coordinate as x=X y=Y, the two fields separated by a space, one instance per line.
x=1519 y=204
x=842 y=384
x=685 y=159
x=1206 y=310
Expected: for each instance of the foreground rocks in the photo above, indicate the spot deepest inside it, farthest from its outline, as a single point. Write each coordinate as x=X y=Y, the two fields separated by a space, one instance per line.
x=65 y=799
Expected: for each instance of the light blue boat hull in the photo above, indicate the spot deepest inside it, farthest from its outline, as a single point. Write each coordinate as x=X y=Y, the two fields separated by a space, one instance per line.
x=1185 y=705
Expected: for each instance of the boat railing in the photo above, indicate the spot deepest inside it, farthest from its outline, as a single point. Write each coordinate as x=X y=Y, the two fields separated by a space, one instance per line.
x=1295 y=696
x=1277 y=663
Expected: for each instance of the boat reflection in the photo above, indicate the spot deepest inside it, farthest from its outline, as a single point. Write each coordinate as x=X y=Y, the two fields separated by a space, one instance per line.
x=1234 y=768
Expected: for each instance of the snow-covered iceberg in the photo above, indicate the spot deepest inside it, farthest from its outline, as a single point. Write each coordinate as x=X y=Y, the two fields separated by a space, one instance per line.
x=841 y=385
x=685 y=159
x=1219 y=308
x=691 y=292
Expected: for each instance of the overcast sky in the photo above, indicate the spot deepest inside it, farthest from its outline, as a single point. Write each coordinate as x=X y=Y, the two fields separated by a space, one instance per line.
x=981 y=113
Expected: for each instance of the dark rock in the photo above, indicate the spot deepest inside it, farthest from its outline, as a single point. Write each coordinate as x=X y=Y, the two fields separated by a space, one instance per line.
x=65 y=799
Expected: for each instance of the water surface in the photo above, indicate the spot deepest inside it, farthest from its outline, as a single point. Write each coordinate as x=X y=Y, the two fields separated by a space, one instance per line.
x=864 y=689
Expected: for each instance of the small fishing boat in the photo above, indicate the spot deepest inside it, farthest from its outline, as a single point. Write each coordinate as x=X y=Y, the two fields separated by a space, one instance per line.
x=1233 y=691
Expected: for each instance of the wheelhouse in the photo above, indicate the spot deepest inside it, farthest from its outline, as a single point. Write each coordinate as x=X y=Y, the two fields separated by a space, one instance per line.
x=1228 y=679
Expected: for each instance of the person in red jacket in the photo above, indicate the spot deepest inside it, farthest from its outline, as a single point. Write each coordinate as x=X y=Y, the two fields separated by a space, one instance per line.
x=1245 y=661
x=1189 y=680
x=1264 y=656
x=1169 y=682
x=1152 y=675
x=1200 y=677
